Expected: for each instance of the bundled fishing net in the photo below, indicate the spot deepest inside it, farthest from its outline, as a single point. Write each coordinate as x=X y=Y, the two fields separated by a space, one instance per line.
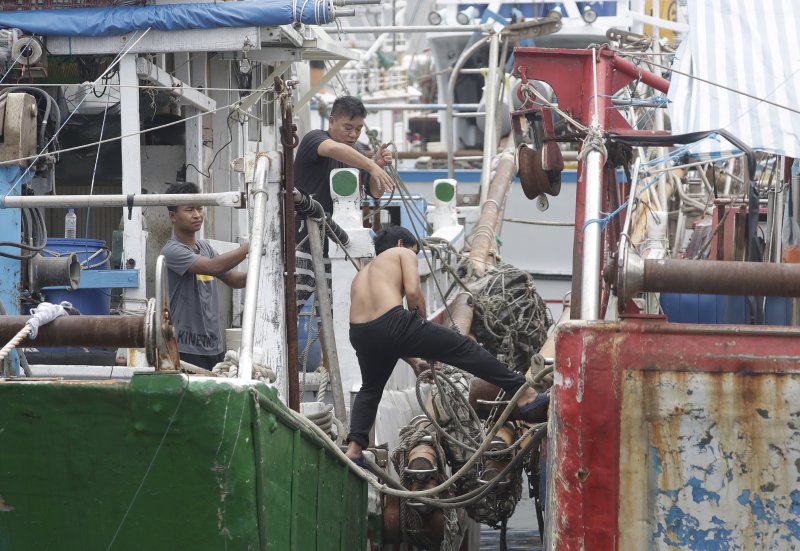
x=511 y=319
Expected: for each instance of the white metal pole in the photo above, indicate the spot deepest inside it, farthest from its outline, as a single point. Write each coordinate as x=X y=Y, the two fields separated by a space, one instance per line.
x=134 y=238
x=490 y=107
x=227 y=199
x=259 y=222
x=590 y=283
x=414 y=29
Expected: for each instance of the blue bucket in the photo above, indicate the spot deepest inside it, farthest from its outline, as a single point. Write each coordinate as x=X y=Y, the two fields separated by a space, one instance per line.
x=93 y=255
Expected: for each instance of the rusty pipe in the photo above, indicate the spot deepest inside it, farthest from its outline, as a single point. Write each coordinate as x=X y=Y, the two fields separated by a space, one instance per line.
x=636 y=71
x=462 y=313
x=80 y=331
x=289 y=140
x=484 y=234
x=716 y=277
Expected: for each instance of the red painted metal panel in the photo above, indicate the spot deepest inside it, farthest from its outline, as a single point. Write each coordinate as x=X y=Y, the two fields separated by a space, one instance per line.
x=732 y=368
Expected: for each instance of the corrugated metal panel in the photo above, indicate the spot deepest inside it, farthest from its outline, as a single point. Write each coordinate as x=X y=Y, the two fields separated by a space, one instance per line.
x=670 y=436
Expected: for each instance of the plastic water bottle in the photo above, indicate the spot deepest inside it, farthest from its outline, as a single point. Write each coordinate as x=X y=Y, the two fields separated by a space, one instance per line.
x=70 y=224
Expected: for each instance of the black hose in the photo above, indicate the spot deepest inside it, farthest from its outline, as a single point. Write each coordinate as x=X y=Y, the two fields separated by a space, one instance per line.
x=308 y=207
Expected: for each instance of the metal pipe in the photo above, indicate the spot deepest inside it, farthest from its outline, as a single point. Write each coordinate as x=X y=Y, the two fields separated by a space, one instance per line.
x=484 y=235
x=777 y=217
x=490 y=120
x=419 y=106
x=357 y=2
x=80 y=331
x=717 y=277
x=636 y=71
x=414 y=29
x=326 y=316
x=253 y=269
x=795 y=214
x=372 y=49
x=592 y=245
x=289 y=141
x=228 y=199
x=451 y=88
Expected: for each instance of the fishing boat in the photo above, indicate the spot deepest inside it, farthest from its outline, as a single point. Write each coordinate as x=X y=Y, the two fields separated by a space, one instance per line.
x=648 y=245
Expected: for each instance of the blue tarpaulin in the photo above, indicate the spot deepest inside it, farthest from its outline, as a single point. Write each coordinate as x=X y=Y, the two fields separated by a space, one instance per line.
x=115 y=21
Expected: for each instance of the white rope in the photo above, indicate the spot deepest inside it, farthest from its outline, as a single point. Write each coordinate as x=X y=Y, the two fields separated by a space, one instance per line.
x=229 y=368
x=41 y=315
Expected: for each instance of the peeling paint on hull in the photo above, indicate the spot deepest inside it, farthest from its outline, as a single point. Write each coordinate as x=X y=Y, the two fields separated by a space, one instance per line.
x=686 y=437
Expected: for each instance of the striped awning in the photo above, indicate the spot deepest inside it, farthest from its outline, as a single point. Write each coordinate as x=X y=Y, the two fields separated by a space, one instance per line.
x=750 y=47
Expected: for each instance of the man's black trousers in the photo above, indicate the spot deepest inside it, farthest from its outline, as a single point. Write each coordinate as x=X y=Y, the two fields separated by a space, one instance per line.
x=400 y=333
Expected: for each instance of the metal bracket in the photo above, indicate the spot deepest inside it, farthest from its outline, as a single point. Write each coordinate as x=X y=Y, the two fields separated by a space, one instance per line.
x=161 y=347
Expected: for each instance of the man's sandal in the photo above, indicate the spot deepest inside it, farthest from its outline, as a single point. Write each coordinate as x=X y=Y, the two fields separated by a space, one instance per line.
x=536 y=411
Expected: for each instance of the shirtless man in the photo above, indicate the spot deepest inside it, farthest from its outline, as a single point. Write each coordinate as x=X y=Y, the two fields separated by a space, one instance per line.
x=382 y=331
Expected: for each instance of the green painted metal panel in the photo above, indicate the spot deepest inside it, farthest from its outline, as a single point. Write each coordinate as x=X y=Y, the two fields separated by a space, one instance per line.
x=165 y=462
x=329 y=492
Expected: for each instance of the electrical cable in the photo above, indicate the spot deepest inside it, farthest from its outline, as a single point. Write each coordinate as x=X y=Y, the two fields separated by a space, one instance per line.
x=216 y=154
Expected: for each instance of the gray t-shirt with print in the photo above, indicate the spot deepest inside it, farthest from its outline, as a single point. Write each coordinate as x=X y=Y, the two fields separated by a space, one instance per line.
x=193 y=299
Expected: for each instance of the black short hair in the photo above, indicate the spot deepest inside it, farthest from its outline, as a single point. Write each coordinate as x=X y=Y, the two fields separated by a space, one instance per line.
x=182 y=188
x=388 y=238
x=348 y=106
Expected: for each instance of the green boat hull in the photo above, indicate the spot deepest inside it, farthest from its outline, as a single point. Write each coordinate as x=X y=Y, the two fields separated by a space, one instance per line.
x=168 y=462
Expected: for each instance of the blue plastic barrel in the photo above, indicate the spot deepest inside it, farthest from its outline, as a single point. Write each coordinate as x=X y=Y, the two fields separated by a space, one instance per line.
x=93 y=255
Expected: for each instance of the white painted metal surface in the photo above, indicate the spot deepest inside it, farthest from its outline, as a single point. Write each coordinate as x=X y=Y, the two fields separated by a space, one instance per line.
x=134 y=236
x=194 y=40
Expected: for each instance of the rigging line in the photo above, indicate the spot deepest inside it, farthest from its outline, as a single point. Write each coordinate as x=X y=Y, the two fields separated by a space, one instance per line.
x=150 y=466
x=96 y=161
x=116 y=60
x=735 y=91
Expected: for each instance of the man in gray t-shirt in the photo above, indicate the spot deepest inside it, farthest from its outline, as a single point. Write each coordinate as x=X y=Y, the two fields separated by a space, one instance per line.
x=193 y=265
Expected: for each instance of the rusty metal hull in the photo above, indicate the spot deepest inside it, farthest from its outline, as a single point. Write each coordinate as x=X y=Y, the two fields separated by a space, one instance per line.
x=669 y=436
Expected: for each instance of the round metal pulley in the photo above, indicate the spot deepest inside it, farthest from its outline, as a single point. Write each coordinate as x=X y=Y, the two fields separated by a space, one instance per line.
x=540 y=169
x=27 y=50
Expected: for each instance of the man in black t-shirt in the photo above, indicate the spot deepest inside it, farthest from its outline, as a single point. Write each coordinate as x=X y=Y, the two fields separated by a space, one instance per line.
x=320 y=152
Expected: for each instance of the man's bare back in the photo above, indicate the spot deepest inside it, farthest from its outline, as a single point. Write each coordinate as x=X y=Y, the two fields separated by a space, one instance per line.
x=382 y=284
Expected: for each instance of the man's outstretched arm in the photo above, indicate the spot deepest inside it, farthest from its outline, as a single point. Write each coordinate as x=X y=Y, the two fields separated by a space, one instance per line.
x=379 y=180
